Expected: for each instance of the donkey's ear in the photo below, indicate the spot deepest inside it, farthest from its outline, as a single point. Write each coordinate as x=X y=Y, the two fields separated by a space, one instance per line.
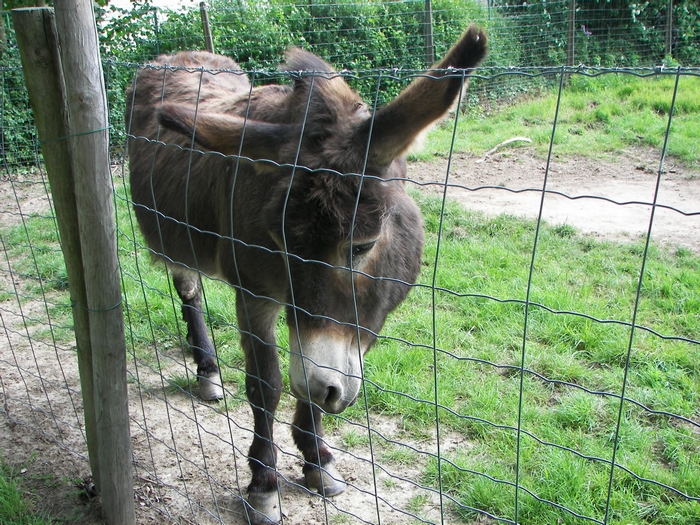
x=426 y=99
x=223 y=133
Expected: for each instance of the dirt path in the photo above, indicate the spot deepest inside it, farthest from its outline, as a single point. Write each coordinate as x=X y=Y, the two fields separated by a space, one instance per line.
x=483 y=184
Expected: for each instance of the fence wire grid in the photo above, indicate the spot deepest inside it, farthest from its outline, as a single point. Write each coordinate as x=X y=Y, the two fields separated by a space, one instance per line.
x=499 y=392
x=353 y=34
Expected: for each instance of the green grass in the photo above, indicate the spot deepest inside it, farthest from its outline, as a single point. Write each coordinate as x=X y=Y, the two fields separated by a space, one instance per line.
x=559 y=381
x=36 y=254
x=470 y=360
x=480 y=346
x=15 y=507
x=600 y=115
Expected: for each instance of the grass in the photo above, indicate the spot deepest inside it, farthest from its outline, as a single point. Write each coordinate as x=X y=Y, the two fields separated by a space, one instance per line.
x=15 y=507
x=600 y=115
x=573 y=368
x=541 y=406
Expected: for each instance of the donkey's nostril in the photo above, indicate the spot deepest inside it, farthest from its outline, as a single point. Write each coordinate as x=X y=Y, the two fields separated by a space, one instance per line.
x=333 y=395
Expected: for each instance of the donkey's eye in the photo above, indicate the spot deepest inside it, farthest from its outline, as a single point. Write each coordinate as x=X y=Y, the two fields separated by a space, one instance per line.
x=361 y=249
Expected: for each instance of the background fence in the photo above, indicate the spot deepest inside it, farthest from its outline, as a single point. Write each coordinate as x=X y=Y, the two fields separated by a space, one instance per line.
x=532 y=402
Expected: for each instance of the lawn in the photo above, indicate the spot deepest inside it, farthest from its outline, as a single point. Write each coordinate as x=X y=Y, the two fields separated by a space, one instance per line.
x=597 y=116
x=527 y=358
x=536 y=385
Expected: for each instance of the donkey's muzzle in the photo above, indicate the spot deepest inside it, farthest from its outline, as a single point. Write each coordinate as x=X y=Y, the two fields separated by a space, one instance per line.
x=328 y=393
x=326 y=370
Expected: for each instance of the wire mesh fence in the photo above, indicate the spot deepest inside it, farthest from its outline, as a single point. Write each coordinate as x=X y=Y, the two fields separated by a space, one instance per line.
x=409 y=34
x=501 y=390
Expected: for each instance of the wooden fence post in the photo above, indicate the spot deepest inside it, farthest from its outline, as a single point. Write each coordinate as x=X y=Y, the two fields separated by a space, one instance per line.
x=208 y=40
x=571 y=35
x=89 y=142
x=82 y=111
x=35 y=30
x=669 y=28
x=429 y=47
x=156 y=31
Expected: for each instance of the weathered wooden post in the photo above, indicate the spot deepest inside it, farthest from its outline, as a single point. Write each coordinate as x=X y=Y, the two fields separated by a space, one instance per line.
x=78 y=132
x=89 y=142
x=156 y=30
x=429 y=47
x=208 y=40
x=571 y=35
x=41 y=65
x=669 y=28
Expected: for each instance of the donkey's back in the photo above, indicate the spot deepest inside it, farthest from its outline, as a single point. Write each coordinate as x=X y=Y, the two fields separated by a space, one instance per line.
x=183 y=197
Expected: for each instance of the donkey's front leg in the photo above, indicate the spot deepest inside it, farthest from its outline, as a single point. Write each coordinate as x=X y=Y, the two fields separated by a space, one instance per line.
x=319 y=471
x=257 y=320
x=189 y=287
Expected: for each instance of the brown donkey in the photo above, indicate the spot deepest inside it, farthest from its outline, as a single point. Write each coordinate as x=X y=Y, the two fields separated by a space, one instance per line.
x=299 y=203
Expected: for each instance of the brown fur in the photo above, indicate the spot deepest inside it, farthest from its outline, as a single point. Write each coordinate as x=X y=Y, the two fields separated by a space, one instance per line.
x=278 y=205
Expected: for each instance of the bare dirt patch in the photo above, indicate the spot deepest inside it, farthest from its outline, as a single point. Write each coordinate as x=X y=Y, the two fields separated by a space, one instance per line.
x=606 y=198
x=22 y=196
x=190 y=456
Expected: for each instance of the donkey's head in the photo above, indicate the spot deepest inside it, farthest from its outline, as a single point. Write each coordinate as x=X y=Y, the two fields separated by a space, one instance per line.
x=350 y=236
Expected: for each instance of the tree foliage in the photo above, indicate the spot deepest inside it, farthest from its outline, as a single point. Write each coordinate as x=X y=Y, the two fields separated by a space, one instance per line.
x=358 y=35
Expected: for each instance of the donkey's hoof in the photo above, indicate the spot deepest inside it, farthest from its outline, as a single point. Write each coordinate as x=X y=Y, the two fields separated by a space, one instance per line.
x=326 y=480
x=210 y=388
x=265 y=508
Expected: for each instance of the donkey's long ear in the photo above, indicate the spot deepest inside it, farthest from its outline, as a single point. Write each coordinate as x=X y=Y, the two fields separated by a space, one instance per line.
x=425 y=100
x=223 y=133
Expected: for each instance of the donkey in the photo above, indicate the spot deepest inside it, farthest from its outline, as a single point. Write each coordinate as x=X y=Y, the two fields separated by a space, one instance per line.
x=295 y=196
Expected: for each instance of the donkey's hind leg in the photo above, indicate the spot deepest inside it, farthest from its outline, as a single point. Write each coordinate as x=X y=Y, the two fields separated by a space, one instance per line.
x=189 y=287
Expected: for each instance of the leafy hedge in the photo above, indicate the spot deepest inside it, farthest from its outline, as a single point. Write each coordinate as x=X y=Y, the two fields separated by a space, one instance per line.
x=351 y=35
x=623 y=32
x=362 y=35
x=17 y=130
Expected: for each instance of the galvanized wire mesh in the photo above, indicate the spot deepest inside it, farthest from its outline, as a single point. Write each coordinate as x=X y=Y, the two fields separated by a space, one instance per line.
x=190 y=457
x=355 y=34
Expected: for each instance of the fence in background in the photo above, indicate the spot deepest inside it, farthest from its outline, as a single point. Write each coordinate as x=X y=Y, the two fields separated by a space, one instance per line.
x=360 y=34
x=190 y=456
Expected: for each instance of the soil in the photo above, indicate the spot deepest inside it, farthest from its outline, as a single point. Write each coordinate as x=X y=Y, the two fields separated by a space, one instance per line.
x=605 y=198
x=189 y=455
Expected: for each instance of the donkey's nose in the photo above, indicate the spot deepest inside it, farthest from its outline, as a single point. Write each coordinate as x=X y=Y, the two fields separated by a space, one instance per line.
x=329 y=395
x=333 y=395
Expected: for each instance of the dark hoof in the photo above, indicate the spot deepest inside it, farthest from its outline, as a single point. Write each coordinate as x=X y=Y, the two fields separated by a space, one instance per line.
x=210 y=388
x=265 y=508
x=326 y=480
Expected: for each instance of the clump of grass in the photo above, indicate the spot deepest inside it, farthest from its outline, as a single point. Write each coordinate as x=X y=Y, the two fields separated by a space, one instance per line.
x=15 y=508
x=35 y=254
